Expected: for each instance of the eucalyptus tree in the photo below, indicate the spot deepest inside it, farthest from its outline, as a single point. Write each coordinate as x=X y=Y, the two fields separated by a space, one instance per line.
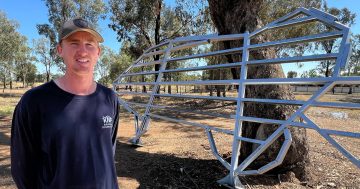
x=41 y=48
x=61 y=11
x=354 y=63
x=353 y=67
x=232 y=16
x=31 y=74
x=346 y=17
x=310 y=73
x=291 y=74
x=10 y=41
x=24 y=61
x=121 y=62
x=27 y=73
x=145 y=23
x=103 y=66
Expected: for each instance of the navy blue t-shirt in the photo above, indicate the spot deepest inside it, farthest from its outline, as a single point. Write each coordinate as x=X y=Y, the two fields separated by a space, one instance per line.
x=61 y=140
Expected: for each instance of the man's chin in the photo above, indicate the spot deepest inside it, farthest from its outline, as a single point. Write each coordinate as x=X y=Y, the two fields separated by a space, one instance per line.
x=83 y=73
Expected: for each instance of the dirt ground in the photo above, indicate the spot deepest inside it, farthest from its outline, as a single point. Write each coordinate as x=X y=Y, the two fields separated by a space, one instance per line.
x=179 y=156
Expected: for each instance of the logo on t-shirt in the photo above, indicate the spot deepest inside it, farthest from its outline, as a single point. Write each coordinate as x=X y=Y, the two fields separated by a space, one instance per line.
x=107 y=122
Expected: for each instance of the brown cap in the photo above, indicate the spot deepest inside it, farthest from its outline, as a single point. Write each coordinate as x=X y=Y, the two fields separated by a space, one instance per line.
x=78 y=24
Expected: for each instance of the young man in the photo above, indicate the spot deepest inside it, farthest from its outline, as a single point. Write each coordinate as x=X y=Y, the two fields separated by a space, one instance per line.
x=64 y=132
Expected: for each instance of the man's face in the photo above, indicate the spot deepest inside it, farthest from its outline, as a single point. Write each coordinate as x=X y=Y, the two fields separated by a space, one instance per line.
x=80 y=52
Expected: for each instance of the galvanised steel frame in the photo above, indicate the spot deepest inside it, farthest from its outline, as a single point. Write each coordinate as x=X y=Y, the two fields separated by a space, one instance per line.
x=235 y=169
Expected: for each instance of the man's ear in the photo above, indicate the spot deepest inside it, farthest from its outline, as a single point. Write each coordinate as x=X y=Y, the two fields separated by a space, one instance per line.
x=59 y=49
x=99 y=51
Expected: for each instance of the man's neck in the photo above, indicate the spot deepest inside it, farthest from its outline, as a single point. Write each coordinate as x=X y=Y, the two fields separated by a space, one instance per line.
x=77 y=85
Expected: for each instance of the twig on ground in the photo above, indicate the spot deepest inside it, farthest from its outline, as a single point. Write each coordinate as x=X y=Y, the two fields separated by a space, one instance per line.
x=191 y=179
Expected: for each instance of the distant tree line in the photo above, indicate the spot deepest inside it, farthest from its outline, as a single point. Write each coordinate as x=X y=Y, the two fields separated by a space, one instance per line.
x=16 y=59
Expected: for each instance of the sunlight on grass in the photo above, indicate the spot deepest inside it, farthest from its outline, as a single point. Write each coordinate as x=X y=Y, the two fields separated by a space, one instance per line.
x=6 y=111
x=8 y=105
x=9 y=98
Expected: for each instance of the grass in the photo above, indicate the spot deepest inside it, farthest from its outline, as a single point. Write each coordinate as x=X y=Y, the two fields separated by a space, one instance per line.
x=9 y=99
x=8 y=105
x=6 y=111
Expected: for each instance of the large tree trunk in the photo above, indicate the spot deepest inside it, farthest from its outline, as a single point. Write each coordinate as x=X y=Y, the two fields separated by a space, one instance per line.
x=233 y=16
x=157 y=33
x=157 y=38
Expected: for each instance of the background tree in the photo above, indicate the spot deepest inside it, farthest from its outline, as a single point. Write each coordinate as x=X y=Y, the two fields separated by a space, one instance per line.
x=121 y=62
x=309 y=74
x=216 y=74
x=291 y=74
x=145 y=23
x=346 y=17
x=354 y=63
x=30 y=75
x=23 y=62
x=10 y=43
x=353 y=66
x=231 y=16
x=42 y=47
x=39 y=77
x=61 y=11
x=103 y=66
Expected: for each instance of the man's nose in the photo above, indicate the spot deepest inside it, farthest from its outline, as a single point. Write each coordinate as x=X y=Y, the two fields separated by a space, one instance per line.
x=82 y=49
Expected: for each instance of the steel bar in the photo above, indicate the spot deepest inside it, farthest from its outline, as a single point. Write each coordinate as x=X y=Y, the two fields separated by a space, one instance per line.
x=333 y=142
x=296 y=59
x=311 y=38
x=201 y=55
x=250 y=140
x=214 y=149
x=341 y=105
x=189 y=45
x=148 y=63
x=229 y=132
x=271 y=81
x=154 y=53
x=286 y=23
x=341 y=133
x=212 y=37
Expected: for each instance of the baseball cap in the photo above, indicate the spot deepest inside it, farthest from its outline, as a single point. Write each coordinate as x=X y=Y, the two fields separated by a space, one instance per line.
x=78 y=24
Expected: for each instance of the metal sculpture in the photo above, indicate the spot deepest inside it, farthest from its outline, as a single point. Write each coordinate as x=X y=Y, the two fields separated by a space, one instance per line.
x=161 y=55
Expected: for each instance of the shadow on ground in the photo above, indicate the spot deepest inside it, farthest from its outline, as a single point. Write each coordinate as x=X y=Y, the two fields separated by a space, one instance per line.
x=5 y=171
x=9 y=95
x=168 y=171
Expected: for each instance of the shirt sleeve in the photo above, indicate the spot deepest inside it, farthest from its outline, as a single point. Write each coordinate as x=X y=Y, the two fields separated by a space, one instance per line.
x=116 y=125
x=24 y=148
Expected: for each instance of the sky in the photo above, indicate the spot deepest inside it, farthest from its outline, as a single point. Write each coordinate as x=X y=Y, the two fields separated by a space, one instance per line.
x=29 y=13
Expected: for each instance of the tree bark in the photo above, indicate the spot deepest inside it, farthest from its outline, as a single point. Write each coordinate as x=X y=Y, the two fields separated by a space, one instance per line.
x=11 y=82
x=4 y=83
x=233 y=16
x=157 y=38
x=24 y=76
x=157 y=33
x=328 y=46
